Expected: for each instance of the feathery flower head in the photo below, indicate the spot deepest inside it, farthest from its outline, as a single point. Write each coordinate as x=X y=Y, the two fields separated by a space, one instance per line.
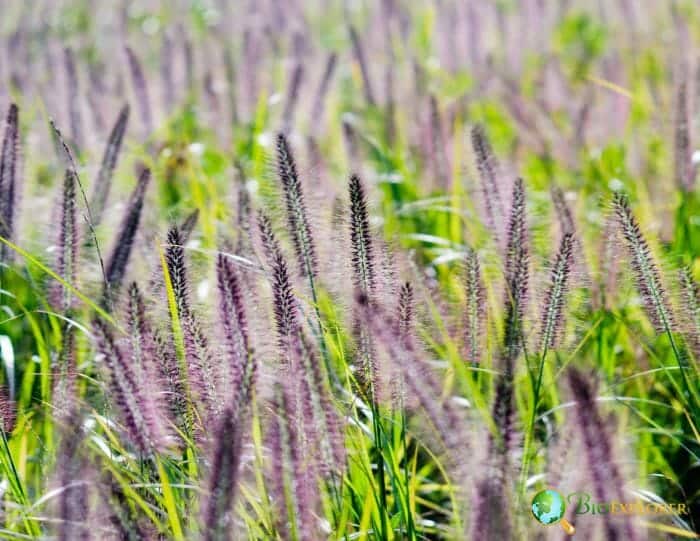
x=297 y=219
x=360 y=237
x=177 y=270
x=67 y=253
x=139 y=408
x=646 y=273
x=489 y=173
x=103 y=183
x=235 y=326
x=140 y=90
x=285 y=304
x=8 y=414
x=552 y=319
x=475 y=312
x=606 y=479
x=223 y=478
x=119 y=258
x=516 y=272
x=9 y=165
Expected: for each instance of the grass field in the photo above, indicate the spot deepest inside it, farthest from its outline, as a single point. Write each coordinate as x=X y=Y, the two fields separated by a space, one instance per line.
x=361 y=270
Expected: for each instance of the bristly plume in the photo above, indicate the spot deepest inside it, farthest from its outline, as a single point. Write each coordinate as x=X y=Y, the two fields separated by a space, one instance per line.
x=297 y=218
x=67 y=256
x=9 y=167
x=360 y=238
x=516 y=272
x=173 y=381
x=475 y=309
x=296 y=356
x=285 y=304
x=421 y=382
x=352 y=146
x=489 y=173
x=8 y=413
x=438 y=150
x=204 y=379
x=320 y=98
x=552 y=318
x=140 y=91
x=175 y=260
x=292 y=97
x=244 y=244
x=119 y=258
x=144 y=350
x=64 y=391
x=644 y=268
x=691 y=303
x=605 y=476
x=130 y=391
x=490 y=516
x=73 y=507
x=188 y=225
x=235 y=326
x=292 y=490
x=682 y=143
x=566 y=219
x=517 y=278
x=364 y=279
x=103 y=183
x=66 y=155
x=223 y=478
x=364 y=68
x=568 y=225
x=405 y=316
x=73 y=93
x=406 y=310
x=230 y=70
x=322 y=428
x=166 y=72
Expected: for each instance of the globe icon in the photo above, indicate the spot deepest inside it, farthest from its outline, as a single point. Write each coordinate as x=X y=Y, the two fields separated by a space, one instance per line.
x=548 y=506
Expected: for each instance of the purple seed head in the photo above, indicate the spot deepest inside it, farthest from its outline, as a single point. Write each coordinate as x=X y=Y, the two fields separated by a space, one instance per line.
x=189 y=223
x=691 y=304
x=644 y=269
x=297 y=219
x=360 y=238
x=606 y=480
x=140 y=85
x=9 y=165
x=292 y=96
x=489 y=173
x=359 y=53
x=235 y=326
x=475 y=309
x=67 y=253
x=8 y=412
x=177 y=270
x=323 y=88
x=103 y=183
x=406 y=311
x=223 y=478
x=552 y=318
x=285 y=304
x=131 y=393
x=119 y=258
x=516 y=274
x=682 y=143
x=73 y=93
